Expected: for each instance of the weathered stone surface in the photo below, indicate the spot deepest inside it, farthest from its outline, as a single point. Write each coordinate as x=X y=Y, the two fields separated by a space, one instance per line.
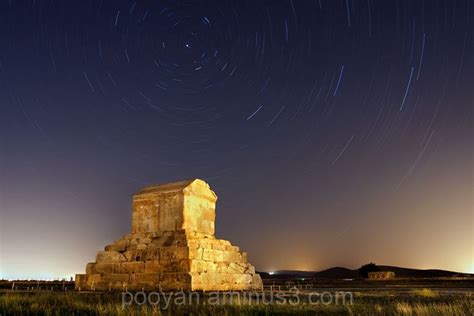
x=195 y=253
x=114 y=278
x=110 y=256
x=130 y=267
x=145 y=277
x=228 y=256
x=153 y=266
x=102 y=267
x=119 y=245
x=212 y=255
x=173 y=253
x=171 y=247
x=257 y=283
x=151 y=253
x=81 y=279
x=89 y=267
x=175 y=281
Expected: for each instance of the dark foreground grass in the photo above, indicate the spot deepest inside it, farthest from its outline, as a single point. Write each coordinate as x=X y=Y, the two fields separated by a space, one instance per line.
x=73 y=303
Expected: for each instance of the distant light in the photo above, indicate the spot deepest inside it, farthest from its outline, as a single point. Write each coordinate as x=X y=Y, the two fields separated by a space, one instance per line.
x=271 y=272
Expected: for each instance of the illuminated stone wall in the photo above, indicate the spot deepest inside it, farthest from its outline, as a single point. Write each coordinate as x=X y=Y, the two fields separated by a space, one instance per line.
x=171 y=247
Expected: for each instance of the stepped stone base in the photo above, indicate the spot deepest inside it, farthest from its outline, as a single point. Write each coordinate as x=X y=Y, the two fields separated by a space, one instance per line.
x=187 y=258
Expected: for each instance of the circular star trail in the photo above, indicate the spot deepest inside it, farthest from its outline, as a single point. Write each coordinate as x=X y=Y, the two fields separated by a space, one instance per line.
x=302 y=115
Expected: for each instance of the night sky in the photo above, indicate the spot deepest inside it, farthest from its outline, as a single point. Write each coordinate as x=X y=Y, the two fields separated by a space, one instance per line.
x=334 y=132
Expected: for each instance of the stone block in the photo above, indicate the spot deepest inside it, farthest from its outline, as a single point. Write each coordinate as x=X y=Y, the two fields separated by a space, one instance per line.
x=195 y=253
x=145 y=278
x=153 y=266
x=202 y=266
x=173 y=253
x=217 y=245
x=175 y=281
x=222 y=267
x=172 y=266
x=131 y=267
x=80 y=282
x=89 y=267
x=224 y=242
x=250 y=269
x=110 y=256
x=217 y=278
x=193 y=243
x=101 y=267
x=141 y=246
x=93 y=278
x=151 y=253
x=164 y=240
x=212 y=255
x=232 y=256
x=134 y=255
x=257 y=283
x=115 y=278
x=237 y=268
x=232 y=248
x=119 y=245
x=145 y=240
x=242 y=278
x=206 y=243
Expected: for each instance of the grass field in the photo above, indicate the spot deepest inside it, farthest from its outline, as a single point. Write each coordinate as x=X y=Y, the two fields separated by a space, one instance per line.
x=367 y=299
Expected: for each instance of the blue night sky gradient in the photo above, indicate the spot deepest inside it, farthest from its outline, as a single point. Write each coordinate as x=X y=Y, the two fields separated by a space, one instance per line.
x=335 y=132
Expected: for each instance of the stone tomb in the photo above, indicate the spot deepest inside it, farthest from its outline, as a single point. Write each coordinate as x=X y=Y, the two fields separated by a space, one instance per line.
x=171 y=247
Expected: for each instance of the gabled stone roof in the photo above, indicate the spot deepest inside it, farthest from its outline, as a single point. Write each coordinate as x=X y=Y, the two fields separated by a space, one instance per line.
x=179 y=186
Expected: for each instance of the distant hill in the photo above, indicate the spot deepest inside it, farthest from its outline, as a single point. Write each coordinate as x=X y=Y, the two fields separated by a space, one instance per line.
x=345 y=273
x=337 y=273
x=418 y=273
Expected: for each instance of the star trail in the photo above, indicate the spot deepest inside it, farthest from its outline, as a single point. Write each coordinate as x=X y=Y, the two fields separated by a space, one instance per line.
x=335 y=132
